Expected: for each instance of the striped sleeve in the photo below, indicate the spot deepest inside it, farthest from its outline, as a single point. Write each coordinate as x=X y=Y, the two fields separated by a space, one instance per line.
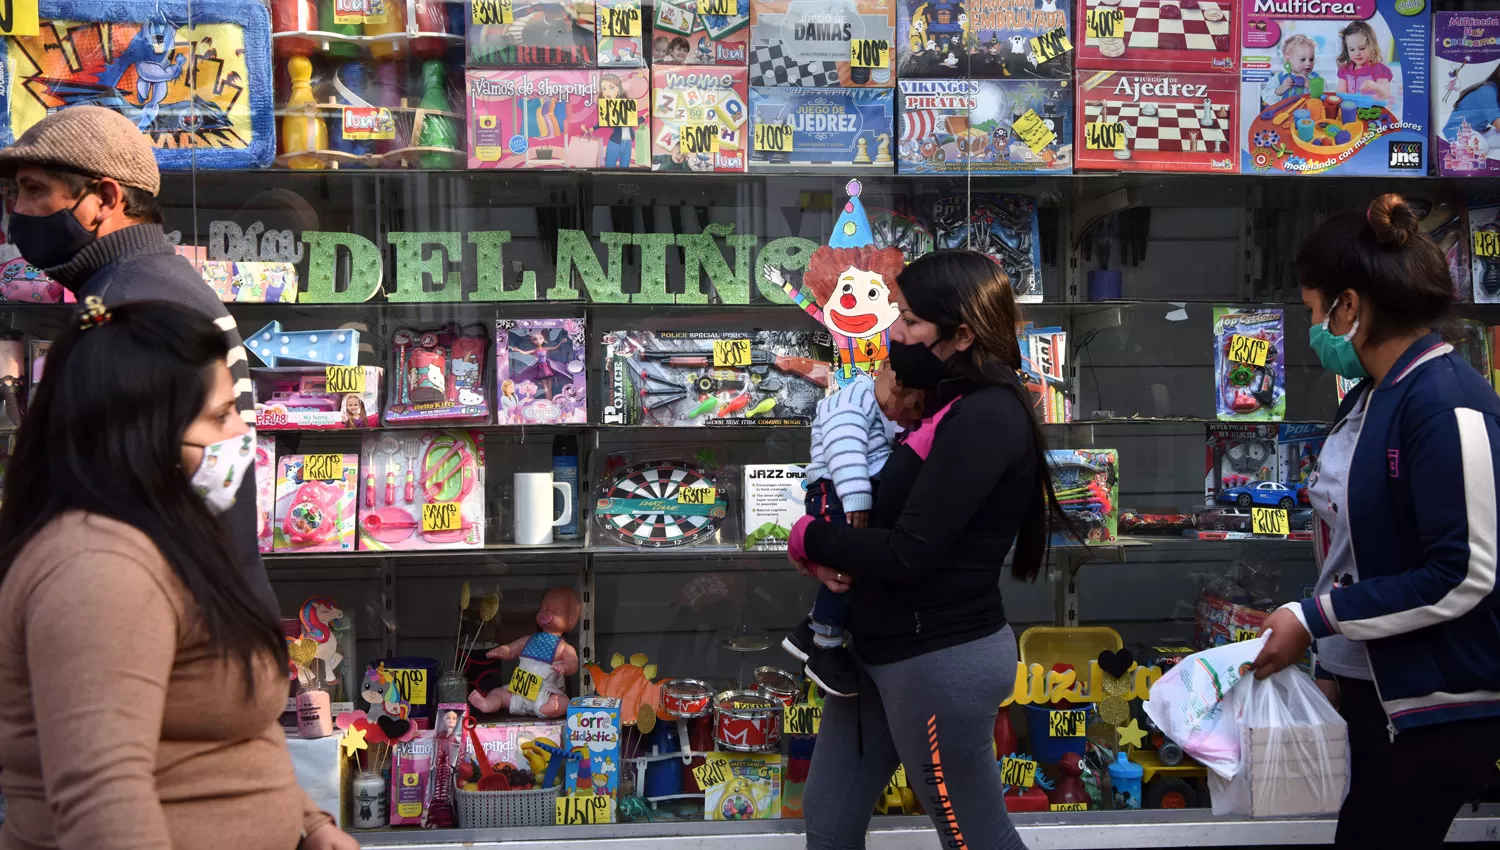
x=849 y=419
x=239 y=368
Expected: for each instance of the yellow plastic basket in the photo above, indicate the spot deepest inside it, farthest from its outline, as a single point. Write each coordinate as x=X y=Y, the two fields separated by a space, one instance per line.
x=1049 y=645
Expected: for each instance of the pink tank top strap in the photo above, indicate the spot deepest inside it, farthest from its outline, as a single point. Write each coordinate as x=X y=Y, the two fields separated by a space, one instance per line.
x=921 y=439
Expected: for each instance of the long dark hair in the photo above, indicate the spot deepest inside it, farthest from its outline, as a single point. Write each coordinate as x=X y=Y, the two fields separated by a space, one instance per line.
x=104 y=436
x=953 y=288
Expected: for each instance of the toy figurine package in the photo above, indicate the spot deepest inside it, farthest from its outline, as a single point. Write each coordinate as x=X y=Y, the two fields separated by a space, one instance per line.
x=1158 y=37
x=539 y=372
x=699 y=119
x=257 y=283
x=1238 y=455
x=437 y=375
x=823 y=43
x=687 y=378
x=986 y=126
x=1156 y=122
x=558 y=119
x=1484 y=261
x=316 y=397
x=773 y=502
x=1297 y=450
x=1343 y=89
x=983 y=39
x=750 y=790
x=1005 y=227
x=840 y=127
x=422 y=490
x=1466 y=112
x=1087 y=482
x=315 y=502
x=540 y=33
x=681 y=36
x=620 y=28
x=265 y=489
x=1249 y=372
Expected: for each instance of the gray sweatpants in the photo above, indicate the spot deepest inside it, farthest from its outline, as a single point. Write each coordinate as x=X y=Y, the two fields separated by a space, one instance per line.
x=934 y=713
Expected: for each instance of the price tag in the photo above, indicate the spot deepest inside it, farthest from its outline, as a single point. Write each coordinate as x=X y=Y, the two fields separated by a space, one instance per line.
x=1249 y=349
x=344 y=379
x=731 y=352
x=525 y=684
x=1050 y=45
x=491 y=12
x=1033 y=131
x=776 y=138
x=442 y=516
x=19 y=17
x=699 y=138
x=1486 y=243
x=618 y=112
x=411 y=682
x=1242 y=635
x=1104 y=136
x=321 y=467
x=899 y=779
x=869 y=52
x=1269 y=521
x=803 y=719
x=697 y=495
x=621 y=21
x=573 y=811
x=1017 y=773
x=1068 y=807
x=713 y=772
x=717 y=7
x=1105 y=23
x=1067 y=724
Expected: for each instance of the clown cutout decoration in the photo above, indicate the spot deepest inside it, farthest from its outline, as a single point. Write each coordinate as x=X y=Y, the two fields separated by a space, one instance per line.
x=848 y=287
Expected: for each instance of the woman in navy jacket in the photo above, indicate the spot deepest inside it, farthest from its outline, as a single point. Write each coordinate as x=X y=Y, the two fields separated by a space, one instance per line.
x=1405 y=612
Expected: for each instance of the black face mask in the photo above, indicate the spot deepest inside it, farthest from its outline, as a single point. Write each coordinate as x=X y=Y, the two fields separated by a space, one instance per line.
x=917 y=368
x=48 y=241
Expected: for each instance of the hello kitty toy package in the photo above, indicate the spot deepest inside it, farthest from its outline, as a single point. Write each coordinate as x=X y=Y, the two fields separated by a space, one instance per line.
x=438 y=375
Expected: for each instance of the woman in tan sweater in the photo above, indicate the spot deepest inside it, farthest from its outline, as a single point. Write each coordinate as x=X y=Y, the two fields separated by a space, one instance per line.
x=143 y=679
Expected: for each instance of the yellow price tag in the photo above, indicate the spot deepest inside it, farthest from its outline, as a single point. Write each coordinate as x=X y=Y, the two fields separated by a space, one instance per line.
x=20 y=17
x=1067 y=724
x=776 y=138
x=442 y=516
x=409 y=810
x=1017 y=773
x=574 y=811
x=1486 y=243
x=869 y=52
x=729 y=353
x=491 y=12
x=1050 y=45
x=1249 y=349
x=321 y=467
x=718 y=7
x=1104 y=136
x=713 y=772
x=1242 y=635
x=803 y=719
x=1105 y=23
x=697 y=495
x=525 y=684
x=621 y=21
x=342 y=379
x=1034 y=131
x=699 y=138
x=1269 y=521
x=618 y=112
x=1067 y=807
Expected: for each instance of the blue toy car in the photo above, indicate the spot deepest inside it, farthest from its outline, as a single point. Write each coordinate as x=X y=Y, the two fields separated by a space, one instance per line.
x=1265 y=493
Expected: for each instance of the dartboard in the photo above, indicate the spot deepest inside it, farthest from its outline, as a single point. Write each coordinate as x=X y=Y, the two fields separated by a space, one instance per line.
x=641 y=505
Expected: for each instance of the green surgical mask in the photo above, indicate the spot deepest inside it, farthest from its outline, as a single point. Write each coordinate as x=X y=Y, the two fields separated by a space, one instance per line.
x=1336 y=353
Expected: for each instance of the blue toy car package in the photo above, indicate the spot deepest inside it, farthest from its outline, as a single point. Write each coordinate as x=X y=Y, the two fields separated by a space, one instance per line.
x=1249 y=369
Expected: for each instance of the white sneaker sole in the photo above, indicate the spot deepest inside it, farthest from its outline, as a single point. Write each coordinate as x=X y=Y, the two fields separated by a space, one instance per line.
x=792 y=650
x=824 y=687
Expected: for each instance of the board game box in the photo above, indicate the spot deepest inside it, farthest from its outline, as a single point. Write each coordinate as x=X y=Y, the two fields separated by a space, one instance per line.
x=1484 y=261
x=619 y=34
x=540 y=33
x=558 y=119
x=1158 y=36
x=699 y=119
x=681 y=36
x=1005 y=227
x=984 y=39
x=539 y=371
x=986 y=126
x=840 y=127
x=1343 y=91
x=823 y=43
x=1156 y=122
x=1466 y=113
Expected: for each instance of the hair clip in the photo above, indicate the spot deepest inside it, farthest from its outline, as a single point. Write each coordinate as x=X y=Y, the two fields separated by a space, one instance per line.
x=94 y=313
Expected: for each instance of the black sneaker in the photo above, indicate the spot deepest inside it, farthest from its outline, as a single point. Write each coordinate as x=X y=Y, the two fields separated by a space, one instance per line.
x=799 y=644
x=832 y=669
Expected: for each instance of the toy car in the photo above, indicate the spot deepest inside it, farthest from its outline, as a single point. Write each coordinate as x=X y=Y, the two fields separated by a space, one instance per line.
x=1302 y=519
x=1224 y=519
x=1266 y=493
x=1134 y=523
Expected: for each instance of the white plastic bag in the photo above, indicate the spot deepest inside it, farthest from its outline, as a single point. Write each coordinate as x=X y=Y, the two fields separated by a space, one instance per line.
x=1294 y=746
x=1187 y=703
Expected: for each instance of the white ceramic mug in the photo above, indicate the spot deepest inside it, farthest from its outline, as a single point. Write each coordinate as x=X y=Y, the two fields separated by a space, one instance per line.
x=533 y=507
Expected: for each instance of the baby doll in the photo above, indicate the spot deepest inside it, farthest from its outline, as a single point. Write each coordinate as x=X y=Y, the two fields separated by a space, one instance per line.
x=1362 y=69
x=1300 y=54
x=545 y=654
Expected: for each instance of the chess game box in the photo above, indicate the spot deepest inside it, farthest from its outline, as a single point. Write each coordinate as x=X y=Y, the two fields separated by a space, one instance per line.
x=1466 y=96
x=1341 y=90
x=682 y=36
x=984 y=39
x=699 y=119
x=1156 y=122
x=986 y=127
x=823 y=43
x=835 y=127
x=559 y=119
x=1160 y=36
